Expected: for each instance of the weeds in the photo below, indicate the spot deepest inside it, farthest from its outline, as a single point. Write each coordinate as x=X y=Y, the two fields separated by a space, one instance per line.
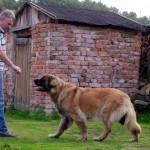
x=6 y=146
x=38 y=114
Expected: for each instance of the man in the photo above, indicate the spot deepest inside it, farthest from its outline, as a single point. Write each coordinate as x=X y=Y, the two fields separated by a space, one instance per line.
x=7 y=19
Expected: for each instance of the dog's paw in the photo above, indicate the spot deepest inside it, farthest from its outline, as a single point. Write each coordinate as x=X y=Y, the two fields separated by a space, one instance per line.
x=98 y=139
x=133 y=140
x=82 y=139
x=52 y=136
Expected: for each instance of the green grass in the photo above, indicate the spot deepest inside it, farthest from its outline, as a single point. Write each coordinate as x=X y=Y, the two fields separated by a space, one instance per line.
x=32 y=132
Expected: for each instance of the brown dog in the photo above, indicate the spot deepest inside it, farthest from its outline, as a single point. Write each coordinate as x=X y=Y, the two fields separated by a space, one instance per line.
x=78 y=104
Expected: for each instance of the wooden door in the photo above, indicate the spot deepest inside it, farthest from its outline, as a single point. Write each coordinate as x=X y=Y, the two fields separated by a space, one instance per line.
x=22 y=84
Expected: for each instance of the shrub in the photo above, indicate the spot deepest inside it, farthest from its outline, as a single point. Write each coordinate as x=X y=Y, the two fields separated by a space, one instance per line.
x=38 y=114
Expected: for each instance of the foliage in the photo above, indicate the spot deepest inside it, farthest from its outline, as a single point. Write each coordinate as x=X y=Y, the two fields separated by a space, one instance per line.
x=6 y=146
x=16 y=4
x=132 y=15
x=143 y=20
x=8 y=4
x=35 y=115
x=144 y=117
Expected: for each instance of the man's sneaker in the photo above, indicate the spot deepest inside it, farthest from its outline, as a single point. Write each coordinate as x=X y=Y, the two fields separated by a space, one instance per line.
x=8 y=134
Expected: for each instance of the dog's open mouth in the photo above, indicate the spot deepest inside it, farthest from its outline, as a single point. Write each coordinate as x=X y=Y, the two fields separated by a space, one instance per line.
x=42 y=89
x=39 y=86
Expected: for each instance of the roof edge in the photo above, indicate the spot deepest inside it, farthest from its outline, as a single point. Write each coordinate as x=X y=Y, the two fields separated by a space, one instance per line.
x=142 y=25
x=38 y=8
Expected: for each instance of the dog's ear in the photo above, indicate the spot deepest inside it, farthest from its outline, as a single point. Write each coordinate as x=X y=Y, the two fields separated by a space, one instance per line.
x=54 y=82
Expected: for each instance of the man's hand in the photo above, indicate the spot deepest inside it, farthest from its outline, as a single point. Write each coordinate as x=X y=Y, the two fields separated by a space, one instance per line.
x=17 y=69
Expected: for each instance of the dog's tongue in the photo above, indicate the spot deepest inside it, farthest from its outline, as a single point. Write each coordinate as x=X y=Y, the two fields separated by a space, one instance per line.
x=40 y=89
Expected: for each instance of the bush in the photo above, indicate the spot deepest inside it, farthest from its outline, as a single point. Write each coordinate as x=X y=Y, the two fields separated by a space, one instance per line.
x=38 y=114
x=6 y=146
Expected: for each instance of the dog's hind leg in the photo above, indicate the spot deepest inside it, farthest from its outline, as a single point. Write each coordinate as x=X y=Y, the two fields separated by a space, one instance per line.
x=106 y=131
x=132 y=125
x=104 y=135
x=64 y=125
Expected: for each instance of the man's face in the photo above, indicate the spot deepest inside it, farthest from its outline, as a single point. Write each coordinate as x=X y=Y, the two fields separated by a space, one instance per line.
x=7 y=24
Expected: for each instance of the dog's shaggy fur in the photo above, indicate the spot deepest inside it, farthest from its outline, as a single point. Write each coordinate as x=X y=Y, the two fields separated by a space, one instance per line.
x=78 y=104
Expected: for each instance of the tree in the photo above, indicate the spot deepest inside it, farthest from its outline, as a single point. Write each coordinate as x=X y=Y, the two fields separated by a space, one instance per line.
x=16 y=4
x=132 y=15
x=144 y=20
x=8 y=4
x=114 y=9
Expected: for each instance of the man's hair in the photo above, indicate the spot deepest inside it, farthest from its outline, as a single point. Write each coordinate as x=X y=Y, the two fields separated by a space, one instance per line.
x=7 y=14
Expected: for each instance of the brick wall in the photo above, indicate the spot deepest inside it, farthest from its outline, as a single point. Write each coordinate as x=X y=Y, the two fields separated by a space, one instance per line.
x=9 y=76
x=85 y=56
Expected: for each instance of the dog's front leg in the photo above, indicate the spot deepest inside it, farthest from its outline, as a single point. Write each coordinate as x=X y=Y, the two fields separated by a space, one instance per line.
x=64 y=125
x=82 y=127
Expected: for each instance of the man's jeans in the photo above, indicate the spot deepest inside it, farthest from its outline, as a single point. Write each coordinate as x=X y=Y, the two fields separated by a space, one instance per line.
x=3 y=127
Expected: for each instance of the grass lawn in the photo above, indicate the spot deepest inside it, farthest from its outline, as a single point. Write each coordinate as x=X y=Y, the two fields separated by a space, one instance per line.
x=32 y=135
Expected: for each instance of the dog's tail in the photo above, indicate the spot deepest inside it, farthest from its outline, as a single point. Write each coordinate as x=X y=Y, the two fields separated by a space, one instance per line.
x=130 y=122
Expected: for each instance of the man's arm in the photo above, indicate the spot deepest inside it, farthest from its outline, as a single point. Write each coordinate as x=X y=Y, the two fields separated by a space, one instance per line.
x=8 y=62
